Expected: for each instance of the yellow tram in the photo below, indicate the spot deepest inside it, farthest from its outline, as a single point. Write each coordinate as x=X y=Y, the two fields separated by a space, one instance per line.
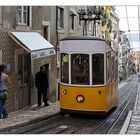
x=89 y=75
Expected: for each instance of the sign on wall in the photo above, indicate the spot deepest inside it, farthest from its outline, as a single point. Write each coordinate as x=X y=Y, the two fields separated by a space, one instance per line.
x=42 y=53
x=0 y=57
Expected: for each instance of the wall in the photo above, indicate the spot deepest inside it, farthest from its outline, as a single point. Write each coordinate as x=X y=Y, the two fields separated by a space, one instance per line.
x=9 y=17
x=0 y=16
x=8 y=51
x=8 y=22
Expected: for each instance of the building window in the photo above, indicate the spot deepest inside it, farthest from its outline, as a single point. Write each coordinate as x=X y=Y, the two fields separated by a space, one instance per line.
x=64 y=68
x=72 y=22
x=72 y=15
x=80 y=69
x=97 y=69
x=23 y=15
x=80 y=23
x=60 y=17
x=45 y=31
x=113 y=67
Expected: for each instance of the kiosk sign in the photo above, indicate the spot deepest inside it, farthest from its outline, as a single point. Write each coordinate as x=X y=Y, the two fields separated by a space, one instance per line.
x=42 y=53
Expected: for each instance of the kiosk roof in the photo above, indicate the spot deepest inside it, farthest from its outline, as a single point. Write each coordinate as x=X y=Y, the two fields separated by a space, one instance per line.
x=82 y=38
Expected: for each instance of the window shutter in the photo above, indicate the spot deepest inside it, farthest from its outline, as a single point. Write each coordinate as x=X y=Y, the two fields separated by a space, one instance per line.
x=28 y=15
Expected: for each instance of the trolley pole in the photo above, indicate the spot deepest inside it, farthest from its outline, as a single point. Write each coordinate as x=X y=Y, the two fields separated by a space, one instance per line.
x=91 y=13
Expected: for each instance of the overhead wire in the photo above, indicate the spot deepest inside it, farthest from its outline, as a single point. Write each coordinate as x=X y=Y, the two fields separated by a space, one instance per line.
x=128 y=27
x=139 y=35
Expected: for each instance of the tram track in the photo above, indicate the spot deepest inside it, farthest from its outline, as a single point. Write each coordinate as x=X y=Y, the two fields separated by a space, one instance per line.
x=73 y=125
x=32 y=127
x=108 y=124
x=104 y=126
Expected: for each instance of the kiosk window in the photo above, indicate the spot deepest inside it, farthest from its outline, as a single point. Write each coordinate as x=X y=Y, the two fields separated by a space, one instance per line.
x=65 y=68
x=80 y=69
x=97 y=69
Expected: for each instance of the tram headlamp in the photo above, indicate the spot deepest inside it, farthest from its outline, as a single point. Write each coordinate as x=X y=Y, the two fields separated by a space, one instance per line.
x=64 y=92
x=80 y=98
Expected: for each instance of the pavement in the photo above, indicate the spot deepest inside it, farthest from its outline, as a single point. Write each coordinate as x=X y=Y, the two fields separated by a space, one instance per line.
x=123 y=83
x=29 y=115
x=132 y=122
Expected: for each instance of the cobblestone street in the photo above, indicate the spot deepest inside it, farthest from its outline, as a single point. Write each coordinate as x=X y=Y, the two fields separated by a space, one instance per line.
x=23 y=117
x=34 y=114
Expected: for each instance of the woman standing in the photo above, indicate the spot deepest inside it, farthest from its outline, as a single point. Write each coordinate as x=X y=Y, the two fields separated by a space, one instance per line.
x=4 y=79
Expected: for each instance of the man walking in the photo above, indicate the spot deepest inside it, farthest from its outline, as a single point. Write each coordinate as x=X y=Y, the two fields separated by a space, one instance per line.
x=41 y=83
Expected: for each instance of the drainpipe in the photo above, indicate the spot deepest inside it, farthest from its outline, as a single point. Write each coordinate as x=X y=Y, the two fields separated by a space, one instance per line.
x=57 y=38
x=57 y=50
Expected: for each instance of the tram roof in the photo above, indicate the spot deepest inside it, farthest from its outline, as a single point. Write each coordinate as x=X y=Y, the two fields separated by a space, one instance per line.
x=82 y=38
x=85 y=38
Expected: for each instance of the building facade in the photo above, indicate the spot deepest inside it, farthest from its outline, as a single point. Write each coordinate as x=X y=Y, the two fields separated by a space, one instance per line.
x=126 y=57
x=22 y=62
x=52 y=23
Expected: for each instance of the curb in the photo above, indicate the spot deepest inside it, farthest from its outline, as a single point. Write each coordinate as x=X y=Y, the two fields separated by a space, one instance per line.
x=40 y=118
x=121 y=85
x=126 y=123
x=136 y=102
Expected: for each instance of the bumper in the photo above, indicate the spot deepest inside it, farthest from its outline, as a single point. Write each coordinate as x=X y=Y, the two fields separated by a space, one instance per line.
x=100 y=113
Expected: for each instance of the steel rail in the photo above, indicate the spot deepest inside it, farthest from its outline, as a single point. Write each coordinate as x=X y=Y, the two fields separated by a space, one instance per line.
x=107 y=124
x=95 y=124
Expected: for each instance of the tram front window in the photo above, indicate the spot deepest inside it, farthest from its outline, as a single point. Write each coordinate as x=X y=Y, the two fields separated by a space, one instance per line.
x=80 y=69
x=65 y=68
x=97 y=69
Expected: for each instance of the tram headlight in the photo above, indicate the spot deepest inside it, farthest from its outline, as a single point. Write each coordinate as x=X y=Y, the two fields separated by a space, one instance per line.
x=64 y=91
x=80 y=98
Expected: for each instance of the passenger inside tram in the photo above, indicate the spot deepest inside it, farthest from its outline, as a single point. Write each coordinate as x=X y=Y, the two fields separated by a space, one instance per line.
x=80 y=69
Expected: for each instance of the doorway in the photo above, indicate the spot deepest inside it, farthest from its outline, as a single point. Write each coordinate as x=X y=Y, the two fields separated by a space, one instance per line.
x=23 y=63
x=47 y=73
x=45 y=29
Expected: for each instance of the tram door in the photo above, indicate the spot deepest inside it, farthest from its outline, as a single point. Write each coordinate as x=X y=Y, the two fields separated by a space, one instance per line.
x=23 y=75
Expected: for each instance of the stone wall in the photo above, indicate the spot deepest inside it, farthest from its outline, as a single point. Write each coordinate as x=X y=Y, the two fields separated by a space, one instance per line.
x=8 y=51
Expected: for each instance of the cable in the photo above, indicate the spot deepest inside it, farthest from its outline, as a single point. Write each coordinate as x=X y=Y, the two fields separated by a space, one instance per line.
x=139 y=36
x=128 y=25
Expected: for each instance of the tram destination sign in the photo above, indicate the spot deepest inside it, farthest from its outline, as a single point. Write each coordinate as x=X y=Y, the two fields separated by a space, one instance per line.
x=42 y=53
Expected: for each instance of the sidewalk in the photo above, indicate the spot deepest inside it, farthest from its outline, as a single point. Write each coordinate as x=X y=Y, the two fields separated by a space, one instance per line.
x=31 y=114
x=132 y=122
x=120 y=85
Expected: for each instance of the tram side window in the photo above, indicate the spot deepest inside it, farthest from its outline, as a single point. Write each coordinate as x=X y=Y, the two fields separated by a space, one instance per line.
x=80 y=69
x=113 y=67
x=108 y=65
x=116 y=70
x=65 y=68
x=97 y=69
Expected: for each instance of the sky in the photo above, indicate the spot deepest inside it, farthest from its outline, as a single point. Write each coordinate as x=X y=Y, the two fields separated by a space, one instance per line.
x=130 y=23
